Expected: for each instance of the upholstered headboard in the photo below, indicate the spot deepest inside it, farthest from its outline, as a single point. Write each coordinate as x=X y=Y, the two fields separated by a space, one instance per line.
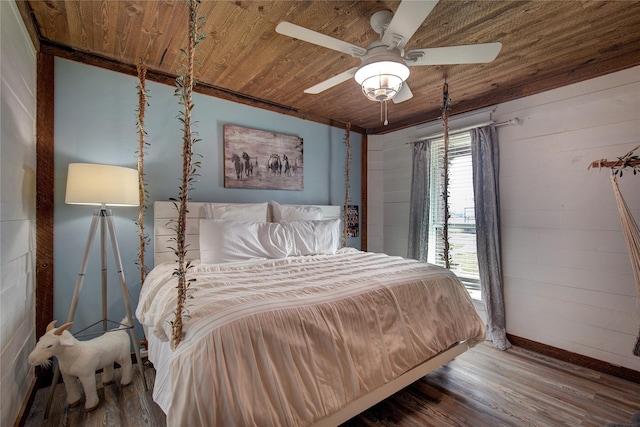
x=163 y=232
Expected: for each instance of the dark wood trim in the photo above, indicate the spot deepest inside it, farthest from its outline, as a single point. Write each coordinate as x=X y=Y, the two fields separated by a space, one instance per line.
x=576 y=359
x=542 y=84
x=363 y=188
x=516 y=91
x=21 y=419
x=44 y=192
x=168 y=79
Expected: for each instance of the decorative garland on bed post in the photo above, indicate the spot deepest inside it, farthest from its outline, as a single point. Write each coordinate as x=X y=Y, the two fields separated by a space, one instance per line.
x=184 y=91
x=347 y=185
x=445 y=175
x=142 y=190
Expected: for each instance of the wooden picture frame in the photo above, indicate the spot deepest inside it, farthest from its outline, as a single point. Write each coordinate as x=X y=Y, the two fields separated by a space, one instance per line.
x=262 y=160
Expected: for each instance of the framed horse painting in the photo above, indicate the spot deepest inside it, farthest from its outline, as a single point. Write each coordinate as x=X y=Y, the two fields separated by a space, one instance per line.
x=264 y=160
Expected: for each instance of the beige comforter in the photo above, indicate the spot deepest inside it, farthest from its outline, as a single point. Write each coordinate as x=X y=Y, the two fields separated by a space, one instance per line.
x=289 y=342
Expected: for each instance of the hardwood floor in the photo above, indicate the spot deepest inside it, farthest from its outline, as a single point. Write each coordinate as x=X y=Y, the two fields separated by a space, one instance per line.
x=489 y=387
x=483 y=387
x=129 y=406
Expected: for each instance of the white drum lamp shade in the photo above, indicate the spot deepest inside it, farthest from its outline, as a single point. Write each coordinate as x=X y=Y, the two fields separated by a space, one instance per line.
x=96 y=184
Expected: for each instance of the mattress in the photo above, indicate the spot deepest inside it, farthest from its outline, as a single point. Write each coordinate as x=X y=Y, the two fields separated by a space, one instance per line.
x=294 y=340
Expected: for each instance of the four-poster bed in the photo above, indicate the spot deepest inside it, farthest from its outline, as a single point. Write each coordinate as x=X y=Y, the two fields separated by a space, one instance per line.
x=301 y=340
x=274 y=322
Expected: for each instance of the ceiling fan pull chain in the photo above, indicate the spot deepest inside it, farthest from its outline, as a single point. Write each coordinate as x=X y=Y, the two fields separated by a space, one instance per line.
x=386 y=122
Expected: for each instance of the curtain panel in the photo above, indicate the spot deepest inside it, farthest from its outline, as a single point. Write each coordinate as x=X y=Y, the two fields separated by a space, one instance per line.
x=419 y=203
x=486 y=171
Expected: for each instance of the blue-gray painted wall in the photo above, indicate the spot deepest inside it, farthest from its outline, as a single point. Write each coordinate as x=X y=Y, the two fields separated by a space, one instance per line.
x=95 y=122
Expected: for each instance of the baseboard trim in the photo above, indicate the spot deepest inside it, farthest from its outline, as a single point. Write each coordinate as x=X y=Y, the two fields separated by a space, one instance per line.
x=576 y=359
x=21 y=420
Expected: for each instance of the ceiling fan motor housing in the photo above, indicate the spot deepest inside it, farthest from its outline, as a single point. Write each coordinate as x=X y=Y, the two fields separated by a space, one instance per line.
x=380 y=21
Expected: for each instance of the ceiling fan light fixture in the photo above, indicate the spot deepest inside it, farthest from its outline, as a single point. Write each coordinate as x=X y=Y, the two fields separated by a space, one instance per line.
x=381 y=87
x=382 y=80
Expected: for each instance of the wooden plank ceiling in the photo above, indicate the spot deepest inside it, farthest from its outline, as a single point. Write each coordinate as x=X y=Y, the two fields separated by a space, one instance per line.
x=546 y=44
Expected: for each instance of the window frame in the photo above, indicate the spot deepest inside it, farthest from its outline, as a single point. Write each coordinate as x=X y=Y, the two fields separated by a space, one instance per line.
x=463 y=225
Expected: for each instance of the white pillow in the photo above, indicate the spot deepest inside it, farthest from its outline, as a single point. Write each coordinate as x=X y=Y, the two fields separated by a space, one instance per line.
x=295 y=212
x=229 y=241
x=237 y=211
x=313 y=237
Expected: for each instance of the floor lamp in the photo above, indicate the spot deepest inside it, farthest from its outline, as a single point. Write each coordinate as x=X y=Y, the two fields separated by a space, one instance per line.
x=101 y=185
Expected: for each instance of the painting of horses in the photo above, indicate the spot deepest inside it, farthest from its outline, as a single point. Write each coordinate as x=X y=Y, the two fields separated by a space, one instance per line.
x=262 y=160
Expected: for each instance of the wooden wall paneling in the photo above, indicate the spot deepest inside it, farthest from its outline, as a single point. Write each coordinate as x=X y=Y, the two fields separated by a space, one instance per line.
x=568 y=281
x=375 y=195
x=17 y=212
x=397 y=189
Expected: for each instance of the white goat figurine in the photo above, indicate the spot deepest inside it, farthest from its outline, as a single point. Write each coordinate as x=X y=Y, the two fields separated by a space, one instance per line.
x=81 y=359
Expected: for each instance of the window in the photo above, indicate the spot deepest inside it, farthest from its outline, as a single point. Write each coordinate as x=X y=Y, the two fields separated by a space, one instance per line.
x=462 y=227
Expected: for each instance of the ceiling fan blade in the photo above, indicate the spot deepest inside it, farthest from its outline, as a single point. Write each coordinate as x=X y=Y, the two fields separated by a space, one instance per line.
x=331 y=82
x=406 y=21
x=310 y=36
x=404 y=95
x=464 y=54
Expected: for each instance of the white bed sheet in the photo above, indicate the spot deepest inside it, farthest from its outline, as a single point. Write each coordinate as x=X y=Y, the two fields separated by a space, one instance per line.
x=341 y=326
x=159 y=353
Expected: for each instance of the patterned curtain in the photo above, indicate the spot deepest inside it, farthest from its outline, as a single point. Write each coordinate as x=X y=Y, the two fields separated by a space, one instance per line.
x=486 y=167
x=419 y=204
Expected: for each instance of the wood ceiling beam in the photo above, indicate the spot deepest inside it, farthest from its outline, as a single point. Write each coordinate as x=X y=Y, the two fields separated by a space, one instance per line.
x=202 y=88
x=543 y=83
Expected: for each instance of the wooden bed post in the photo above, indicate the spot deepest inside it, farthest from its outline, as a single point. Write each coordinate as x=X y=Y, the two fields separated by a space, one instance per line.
x=185 y=85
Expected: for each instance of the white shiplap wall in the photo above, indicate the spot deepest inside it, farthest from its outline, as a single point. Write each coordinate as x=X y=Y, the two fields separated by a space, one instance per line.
x=375 y=195
x=568 y=280
x=17 y=211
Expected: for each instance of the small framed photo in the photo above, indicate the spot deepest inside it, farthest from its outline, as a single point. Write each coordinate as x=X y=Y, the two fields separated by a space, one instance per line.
x=353 y=221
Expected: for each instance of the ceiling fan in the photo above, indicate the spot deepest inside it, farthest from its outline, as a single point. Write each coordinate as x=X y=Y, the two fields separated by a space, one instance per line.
x=385 y=65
